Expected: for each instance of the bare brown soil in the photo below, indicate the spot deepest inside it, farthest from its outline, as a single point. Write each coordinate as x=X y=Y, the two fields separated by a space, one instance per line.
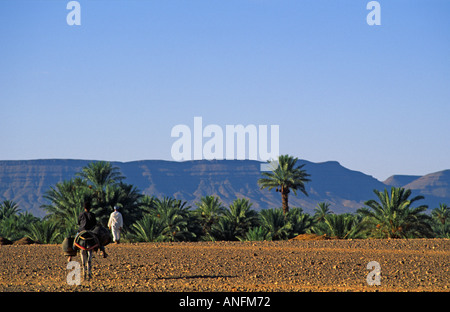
x=298 y=265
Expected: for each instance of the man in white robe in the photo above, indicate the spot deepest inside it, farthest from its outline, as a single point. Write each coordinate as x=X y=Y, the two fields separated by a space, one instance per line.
x=115 y=224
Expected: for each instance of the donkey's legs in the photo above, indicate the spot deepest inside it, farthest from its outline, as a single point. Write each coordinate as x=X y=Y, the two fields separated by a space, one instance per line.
x=83 y=256
x=86 y=263
x=89 y=263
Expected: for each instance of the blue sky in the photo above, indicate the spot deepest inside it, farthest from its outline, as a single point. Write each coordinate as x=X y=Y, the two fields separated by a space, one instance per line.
x=374 y=98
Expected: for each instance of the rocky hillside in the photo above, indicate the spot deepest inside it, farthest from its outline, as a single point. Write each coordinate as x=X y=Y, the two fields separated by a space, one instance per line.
x=26 y=181
x=434 y=186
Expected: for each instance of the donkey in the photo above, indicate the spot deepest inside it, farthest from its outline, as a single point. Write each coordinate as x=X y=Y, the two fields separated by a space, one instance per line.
x=87 y=242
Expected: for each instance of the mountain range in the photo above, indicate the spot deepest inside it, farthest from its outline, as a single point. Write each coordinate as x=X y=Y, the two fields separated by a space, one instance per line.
x=26 y=181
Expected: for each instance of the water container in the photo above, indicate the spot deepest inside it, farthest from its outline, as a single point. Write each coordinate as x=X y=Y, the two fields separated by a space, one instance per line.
x=67 y=247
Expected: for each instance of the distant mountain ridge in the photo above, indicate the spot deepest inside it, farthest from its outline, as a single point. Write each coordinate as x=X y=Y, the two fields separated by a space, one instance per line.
x=26 y=182
x=435 y=184
x=400 y=180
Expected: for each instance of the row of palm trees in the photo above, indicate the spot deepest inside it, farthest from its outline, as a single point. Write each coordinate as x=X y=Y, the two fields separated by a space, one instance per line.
x=147 y=218
x=169 y=219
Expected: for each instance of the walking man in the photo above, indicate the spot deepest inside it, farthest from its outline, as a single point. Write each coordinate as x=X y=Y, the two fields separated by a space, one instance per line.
x=115 y=224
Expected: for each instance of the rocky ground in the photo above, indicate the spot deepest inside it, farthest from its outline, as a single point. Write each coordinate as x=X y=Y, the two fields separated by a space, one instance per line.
x=308 y=265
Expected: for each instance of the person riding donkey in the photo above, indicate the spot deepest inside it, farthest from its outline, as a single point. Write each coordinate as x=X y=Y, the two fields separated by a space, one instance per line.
x=88 y=222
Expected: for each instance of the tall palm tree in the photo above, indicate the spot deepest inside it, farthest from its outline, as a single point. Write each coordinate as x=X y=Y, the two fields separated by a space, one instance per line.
x=284 y=178
x=393 y=217
x=127 y=197
x=101 y=184
x=66 y=203
x=101 y=174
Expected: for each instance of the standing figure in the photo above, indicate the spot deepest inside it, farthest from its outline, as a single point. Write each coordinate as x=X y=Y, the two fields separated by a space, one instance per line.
x=115 y=224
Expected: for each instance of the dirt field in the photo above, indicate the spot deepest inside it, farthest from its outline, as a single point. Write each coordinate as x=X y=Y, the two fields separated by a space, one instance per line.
x=328 y=265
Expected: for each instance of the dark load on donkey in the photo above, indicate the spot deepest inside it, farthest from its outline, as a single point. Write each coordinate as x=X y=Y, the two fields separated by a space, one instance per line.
x=102 y=234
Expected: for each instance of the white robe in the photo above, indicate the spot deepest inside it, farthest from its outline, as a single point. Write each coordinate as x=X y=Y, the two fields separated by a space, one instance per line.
x=115 y=223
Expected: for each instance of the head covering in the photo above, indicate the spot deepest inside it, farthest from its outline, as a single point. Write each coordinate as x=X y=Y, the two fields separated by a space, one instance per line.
x=116 y=207
x=87 y=205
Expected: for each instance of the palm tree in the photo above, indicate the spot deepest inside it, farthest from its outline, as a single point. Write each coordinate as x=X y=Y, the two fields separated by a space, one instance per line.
x=9 y=220
x=100 y=183
x=24 y=219
x=321 y=211
x=235 y=221
x=14 y=225
x=339 y=226
x=148 y=229
x=44 y=232
x=208 y=212
x=147 y=203
x=284 y=178
x=257 y=233
x=174 y=217
x=8 y=208
x=241 y=215
x=9 y=228
x=127 y=197
x=274 y=222
x=101 y=174
x=440 y=216
x=224 y=230
x=393 y=217
x=66 y=203
x=299 y=222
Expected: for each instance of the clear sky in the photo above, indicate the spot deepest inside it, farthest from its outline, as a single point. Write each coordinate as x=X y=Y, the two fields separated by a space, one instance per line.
x=374 y=98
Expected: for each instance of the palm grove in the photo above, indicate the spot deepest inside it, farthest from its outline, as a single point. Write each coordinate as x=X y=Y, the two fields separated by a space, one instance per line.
x=391 y=214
